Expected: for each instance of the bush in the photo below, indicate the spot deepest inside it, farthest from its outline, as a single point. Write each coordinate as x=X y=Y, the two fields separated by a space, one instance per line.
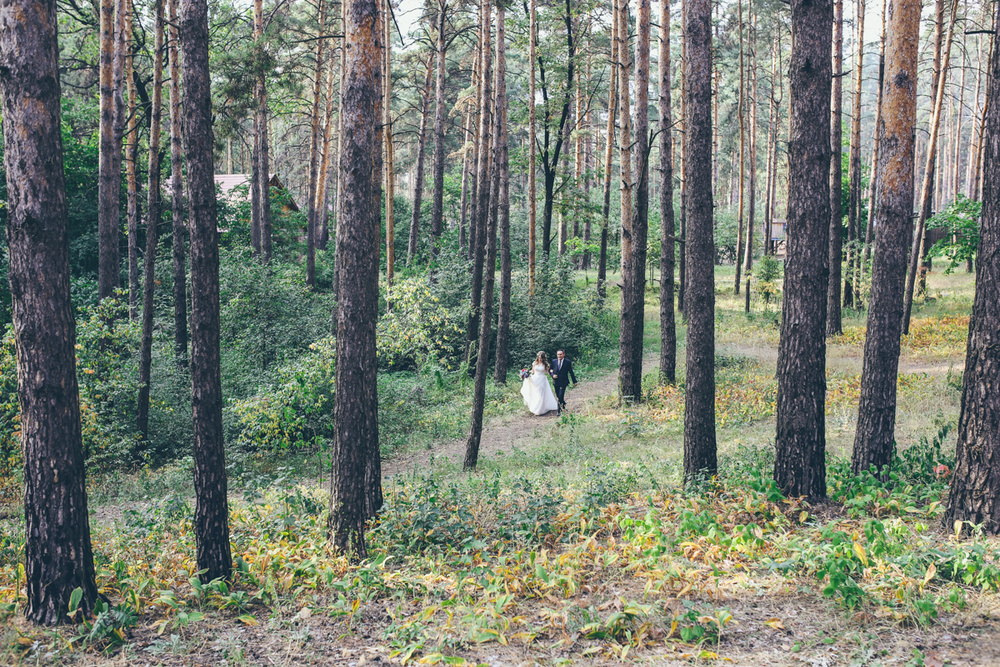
x=108 y=376
x=297 y=411
x=417 y=330
x=268 y=318
x=560 y=317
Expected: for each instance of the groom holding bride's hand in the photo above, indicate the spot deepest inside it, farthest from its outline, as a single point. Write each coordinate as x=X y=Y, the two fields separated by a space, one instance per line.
x=562 y=371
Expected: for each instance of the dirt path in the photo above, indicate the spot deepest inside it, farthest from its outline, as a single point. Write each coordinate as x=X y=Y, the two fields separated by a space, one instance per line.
x=501 y=433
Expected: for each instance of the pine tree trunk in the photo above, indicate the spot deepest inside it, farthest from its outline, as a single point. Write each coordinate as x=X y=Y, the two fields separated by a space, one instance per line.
x=109 y=168
x=834 y=320
x=356 y=493
x=314 y=145
x=800 y=456
x=752 y=195
x=480 y=212
x=263 y=158
x=440 y=112
x=682 y=261
x=978 y=113
x=772 y=141
x=477 y=73
x=390 y=166
x=503 y=206
x=959 y=116
x=490 y=240
x=854 y=162
x=975 y=488
x=323 y=190
x=588 y=165
x=211 y=518
x=418 y=188
x=741 y=114
x=57 y=552
x=699 y=406
x=338 y=204
x=873 y=442
x=625 y=146
x=634 y=235
x=533 y=151
x=177 y=192
x=873 y=180
x=602 y=262
x=468 y=142
x=668 y=329
x=153 y=209
x=926 y=191
x=132 y=157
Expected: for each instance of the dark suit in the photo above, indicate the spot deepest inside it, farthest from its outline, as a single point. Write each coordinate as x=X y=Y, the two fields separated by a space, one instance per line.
x=562 y=371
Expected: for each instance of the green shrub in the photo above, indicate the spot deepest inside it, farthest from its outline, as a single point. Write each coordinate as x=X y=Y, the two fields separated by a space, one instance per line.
x=417 y=329
x=108 y=376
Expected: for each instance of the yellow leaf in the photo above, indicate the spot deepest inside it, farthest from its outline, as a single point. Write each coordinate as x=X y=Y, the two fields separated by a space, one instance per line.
x=775 y=623
x=931 y=571
x=860 y=552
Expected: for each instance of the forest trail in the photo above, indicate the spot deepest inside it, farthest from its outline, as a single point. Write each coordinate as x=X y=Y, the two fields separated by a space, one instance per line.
x=501 y=433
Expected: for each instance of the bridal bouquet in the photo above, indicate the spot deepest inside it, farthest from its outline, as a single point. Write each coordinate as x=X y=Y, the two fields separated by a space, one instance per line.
x=525 y=372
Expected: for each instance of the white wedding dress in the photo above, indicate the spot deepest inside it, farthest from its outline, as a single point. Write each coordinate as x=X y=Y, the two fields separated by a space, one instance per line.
x=537 y=392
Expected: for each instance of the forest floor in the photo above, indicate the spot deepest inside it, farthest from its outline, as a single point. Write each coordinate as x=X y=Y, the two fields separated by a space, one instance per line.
x=576 y=543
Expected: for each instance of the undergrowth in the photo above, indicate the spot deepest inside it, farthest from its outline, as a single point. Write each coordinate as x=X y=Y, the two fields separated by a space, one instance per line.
x=611 y=565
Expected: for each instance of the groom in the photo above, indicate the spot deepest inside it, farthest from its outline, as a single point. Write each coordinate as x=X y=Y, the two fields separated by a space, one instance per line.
x=562 y=371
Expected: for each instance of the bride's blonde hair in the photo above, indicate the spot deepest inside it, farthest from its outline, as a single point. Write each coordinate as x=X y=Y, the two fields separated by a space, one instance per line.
x=542 y=359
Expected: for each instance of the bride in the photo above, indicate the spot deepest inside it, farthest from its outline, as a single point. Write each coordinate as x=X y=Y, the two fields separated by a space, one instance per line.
x=535 y=389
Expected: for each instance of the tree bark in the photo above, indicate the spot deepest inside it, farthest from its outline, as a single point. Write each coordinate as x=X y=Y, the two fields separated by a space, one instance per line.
x=211 y=518
x=975 y=488
x=873 y=181
x=437 y=206
x=490 y=233
x=314 y=145
x=132 y=157
x=475 y=118
x=699 y=247
x=356 y=493
x=800 y=457
x=390 y=167
x=834 y=320
x=323 y=189
x=873 y=442
x=854 y=161
x=263 y=150
x=468 y=150
x=625 y=146
x=741 y=114
x=480 y=212
x=551 y=154
x=752 y=194
x=533 y=150
x=153 y=208
x=177 y=193
x=634 y=235
x=57 y=552
x=668 y=329
x=682 y=261
x=109 y=167
x=418 y=188
x=772 y=145
x=926 y=191
x=602 y=262
x=503 y=206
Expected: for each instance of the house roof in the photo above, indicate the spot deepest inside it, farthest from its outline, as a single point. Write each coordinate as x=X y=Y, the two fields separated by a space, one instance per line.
x=227 y=182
